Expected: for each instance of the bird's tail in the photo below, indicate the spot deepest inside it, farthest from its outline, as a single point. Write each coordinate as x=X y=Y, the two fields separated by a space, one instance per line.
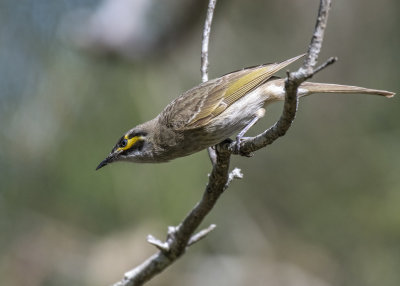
x=307 y=88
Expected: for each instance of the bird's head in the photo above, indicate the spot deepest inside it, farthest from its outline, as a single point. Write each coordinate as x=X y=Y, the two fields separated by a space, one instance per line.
x=135 y=146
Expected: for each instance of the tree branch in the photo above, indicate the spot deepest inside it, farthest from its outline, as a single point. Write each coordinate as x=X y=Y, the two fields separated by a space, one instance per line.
x=292 y=82
x=181 y=237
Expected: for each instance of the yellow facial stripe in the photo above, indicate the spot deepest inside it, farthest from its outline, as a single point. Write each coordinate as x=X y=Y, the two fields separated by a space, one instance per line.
x=130 y=142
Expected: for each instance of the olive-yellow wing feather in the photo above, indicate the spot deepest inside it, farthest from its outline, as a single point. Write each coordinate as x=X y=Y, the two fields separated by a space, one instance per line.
x=196 y=107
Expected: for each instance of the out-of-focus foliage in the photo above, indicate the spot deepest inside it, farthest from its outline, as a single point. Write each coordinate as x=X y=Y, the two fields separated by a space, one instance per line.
x=318 y=207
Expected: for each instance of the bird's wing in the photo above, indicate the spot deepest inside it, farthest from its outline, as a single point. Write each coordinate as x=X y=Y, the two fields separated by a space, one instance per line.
x=196 y=107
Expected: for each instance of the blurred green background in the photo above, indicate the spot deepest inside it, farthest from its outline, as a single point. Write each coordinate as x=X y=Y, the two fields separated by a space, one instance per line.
x=318 y=207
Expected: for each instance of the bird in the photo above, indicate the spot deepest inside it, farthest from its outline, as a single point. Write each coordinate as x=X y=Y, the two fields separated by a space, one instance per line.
x=213 y=111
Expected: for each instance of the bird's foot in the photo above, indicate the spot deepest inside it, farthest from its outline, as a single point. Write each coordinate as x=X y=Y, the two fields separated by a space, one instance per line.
x=237 y=147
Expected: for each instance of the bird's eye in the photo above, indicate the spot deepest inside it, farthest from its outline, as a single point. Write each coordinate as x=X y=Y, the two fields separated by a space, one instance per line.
x=123 y=143
x=126 y=143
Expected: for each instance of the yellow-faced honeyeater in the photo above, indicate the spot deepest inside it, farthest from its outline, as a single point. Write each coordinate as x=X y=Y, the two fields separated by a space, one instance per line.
x=213 y=111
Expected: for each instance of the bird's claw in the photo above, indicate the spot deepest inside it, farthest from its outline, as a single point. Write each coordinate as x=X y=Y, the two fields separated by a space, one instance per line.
x=237 y=148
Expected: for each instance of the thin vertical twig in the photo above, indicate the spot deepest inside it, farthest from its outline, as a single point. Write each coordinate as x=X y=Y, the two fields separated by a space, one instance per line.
x=206 y=40
x=204 y=60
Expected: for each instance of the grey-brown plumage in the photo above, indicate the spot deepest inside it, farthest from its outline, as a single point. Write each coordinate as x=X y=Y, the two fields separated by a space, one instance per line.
x=211 y=112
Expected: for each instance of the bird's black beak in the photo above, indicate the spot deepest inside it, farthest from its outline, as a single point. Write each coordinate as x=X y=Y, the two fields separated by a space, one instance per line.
x=104 y=162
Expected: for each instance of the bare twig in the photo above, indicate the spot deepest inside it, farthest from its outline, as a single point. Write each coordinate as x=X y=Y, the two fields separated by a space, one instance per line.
x=163 y=246
x=329 y=62
x=318 y=36
x=201 y=234
x=212 y=155
x=204 y=59
x=180 y=237
x=292 y=82
x=206 y=40
x=236 y=173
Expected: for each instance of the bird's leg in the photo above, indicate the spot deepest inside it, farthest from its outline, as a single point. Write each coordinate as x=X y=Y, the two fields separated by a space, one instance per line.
x=244 y=130
x=260 y=113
